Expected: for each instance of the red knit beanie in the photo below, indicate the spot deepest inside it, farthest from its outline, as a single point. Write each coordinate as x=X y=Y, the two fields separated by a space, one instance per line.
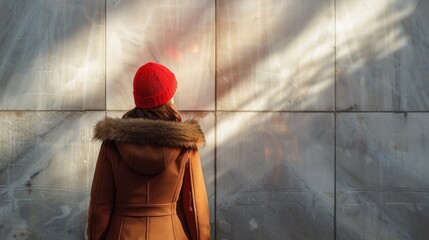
x=154 y=85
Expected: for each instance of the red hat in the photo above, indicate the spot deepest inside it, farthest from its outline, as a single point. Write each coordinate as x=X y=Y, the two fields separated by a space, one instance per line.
x=154 y=85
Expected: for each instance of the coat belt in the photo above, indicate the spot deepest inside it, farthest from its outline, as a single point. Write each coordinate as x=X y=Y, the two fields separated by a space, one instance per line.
x=146 y=210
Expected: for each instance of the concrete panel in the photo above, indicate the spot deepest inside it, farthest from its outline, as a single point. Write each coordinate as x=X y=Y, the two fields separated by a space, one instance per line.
x=52 y=55
x=275 y=176
x=178 y=34
x=275 y=55
x=382 y=183
x=47 y=162
x=382 y=55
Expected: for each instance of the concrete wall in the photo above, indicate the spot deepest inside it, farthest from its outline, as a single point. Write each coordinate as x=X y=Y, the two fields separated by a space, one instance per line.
x=316 y=112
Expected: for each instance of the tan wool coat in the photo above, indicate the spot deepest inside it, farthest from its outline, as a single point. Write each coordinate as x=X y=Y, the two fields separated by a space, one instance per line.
x=148 y=182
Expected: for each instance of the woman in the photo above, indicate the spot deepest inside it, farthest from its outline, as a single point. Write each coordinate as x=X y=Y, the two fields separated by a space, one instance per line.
x=148 y=182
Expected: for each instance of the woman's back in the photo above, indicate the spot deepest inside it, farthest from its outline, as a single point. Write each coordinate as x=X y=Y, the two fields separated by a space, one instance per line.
x=145 y=176
x=148 y=181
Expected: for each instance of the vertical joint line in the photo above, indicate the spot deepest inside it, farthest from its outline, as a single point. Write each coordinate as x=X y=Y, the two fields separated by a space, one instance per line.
x=105 y=57
x=335 y=118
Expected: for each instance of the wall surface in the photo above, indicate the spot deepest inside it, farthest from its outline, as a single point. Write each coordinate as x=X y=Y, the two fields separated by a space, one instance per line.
x=316 y=113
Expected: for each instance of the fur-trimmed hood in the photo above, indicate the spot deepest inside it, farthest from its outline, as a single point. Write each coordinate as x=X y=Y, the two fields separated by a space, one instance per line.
x=153 y=132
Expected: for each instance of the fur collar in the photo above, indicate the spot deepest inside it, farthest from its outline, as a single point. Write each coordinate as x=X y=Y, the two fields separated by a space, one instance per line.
x=155 y=132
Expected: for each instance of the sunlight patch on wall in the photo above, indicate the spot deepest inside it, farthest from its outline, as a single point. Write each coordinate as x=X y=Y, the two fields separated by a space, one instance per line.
x=279 y=56
x=377 y=37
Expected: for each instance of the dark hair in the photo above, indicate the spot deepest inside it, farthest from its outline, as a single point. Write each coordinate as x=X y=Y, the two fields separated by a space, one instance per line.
x=165 y=112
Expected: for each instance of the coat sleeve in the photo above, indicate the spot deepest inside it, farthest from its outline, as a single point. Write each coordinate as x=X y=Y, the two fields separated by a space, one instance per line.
x=194 y=198
x=102 y=197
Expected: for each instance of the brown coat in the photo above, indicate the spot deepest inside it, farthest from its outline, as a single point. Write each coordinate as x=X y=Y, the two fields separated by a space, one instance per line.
x=148 y=182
